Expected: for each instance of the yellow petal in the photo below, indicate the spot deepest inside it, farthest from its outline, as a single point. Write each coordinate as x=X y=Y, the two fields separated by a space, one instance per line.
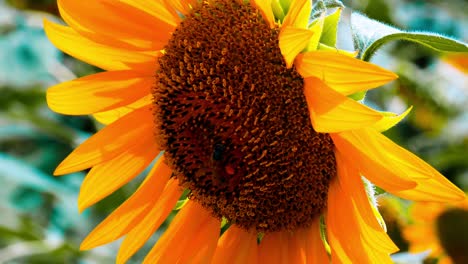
x=98 y=92
x=371 y=231
x=298 y=14
x=390 y=120
x=274 y=248
x=186 y=226
x=102 y=22
x=237 y=246
x=332 y=112
x=317 y=29
x=203 y=245
x=292 y=41
x=265 y=8
x=111 y=116
x=110 y=141
x=105 y=57
x=342 y=227
x=148 y=224
x=344 y=74
x=155 y=9
x=105 y=178
x=284 y=247
x=314 y=248
x=122 y=220
x=397 y=163
x=371 y=167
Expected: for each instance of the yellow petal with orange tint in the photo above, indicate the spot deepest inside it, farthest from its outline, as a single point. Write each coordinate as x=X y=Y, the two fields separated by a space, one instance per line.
x=372 y=232
x=155 y=9
x=101 y=21
x=292 y=41
x=390 y=120
x=107 y=177
x=122 y=220
x=344 y=74
x=203 y=244
x=372 y=147
x=98 y=92
x=111 y=116
x=298 y=14
x=265 y=8
x=110 y=141
x=105 y=57
x=176 y=239
x=283 y=247
x=237 y=246
x=148 y=224
x=273 y=248
x=314 y=248
x=342 y=227
x=332 y=112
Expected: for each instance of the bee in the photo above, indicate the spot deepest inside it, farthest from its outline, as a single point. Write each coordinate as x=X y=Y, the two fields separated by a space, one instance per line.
x=224 y=171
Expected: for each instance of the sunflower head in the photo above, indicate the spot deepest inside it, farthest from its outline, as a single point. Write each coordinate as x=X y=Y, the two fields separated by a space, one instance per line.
x=253 y=120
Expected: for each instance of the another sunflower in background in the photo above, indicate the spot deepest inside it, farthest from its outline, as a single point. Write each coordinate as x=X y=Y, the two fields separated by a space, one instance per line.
x=251 y=118
x=439 y=228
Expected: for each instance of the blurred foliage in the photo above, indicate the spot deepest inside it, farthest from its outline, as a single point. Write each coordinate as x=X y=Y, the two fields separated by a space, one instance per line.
x=40 y=222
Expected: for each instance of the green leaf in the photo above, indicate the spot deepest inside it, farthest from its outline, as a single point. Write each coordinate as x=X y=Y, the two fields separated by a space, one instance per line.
x=369 y=35
x=330 y=28
x=321 y=6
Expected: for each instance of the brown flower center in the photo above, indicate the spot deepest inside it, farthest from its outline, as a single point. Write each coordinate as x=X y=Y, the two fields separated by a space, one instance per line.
x=234 y=122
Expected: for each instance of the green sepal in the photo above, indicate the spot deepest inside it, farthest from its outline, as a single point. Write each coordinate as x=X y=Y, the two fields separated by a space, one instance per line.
x=285 y=4
x=183 y=200
x=321 y=6
x=323 y=234
x=330 y=28
x=278 y=10
x=369 y=35
x=359 y=96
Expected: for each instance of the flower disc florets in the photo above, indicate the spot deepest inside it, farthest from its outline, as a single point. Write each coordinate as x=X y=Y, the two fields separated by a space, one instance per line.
x=234 y=122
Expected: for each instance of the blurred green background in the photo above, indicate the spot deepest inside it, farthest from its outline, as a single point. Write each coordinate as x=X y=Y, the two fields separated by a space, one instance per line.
x=39 y=219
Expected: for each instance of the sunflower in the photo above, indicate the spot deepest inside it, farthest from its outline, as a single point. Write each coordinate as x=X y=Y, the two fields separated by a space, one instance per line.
x=252 y=120
x=427 y=227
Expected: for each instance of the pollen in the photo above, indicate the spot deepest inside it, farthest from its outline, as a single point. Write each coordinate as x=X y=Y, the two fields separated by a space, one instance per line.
x=234 y=122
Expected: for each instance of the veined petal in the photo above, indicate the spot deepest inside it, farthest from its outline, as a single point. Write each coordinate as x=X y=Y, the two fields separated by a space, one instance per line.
x=265 y=8
x=148 y=224
x=111 y=116
x=103 y=179
x=344 y=74
x=292 y=41
x=127 y=215
x=390 y=120
x=237 y=246
x=102 y=21
x=298 y=14
x=98 y=92
x=332 y=112
x=187 y=224
x=110 y=141
x=104 y=57
x=396 y=163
